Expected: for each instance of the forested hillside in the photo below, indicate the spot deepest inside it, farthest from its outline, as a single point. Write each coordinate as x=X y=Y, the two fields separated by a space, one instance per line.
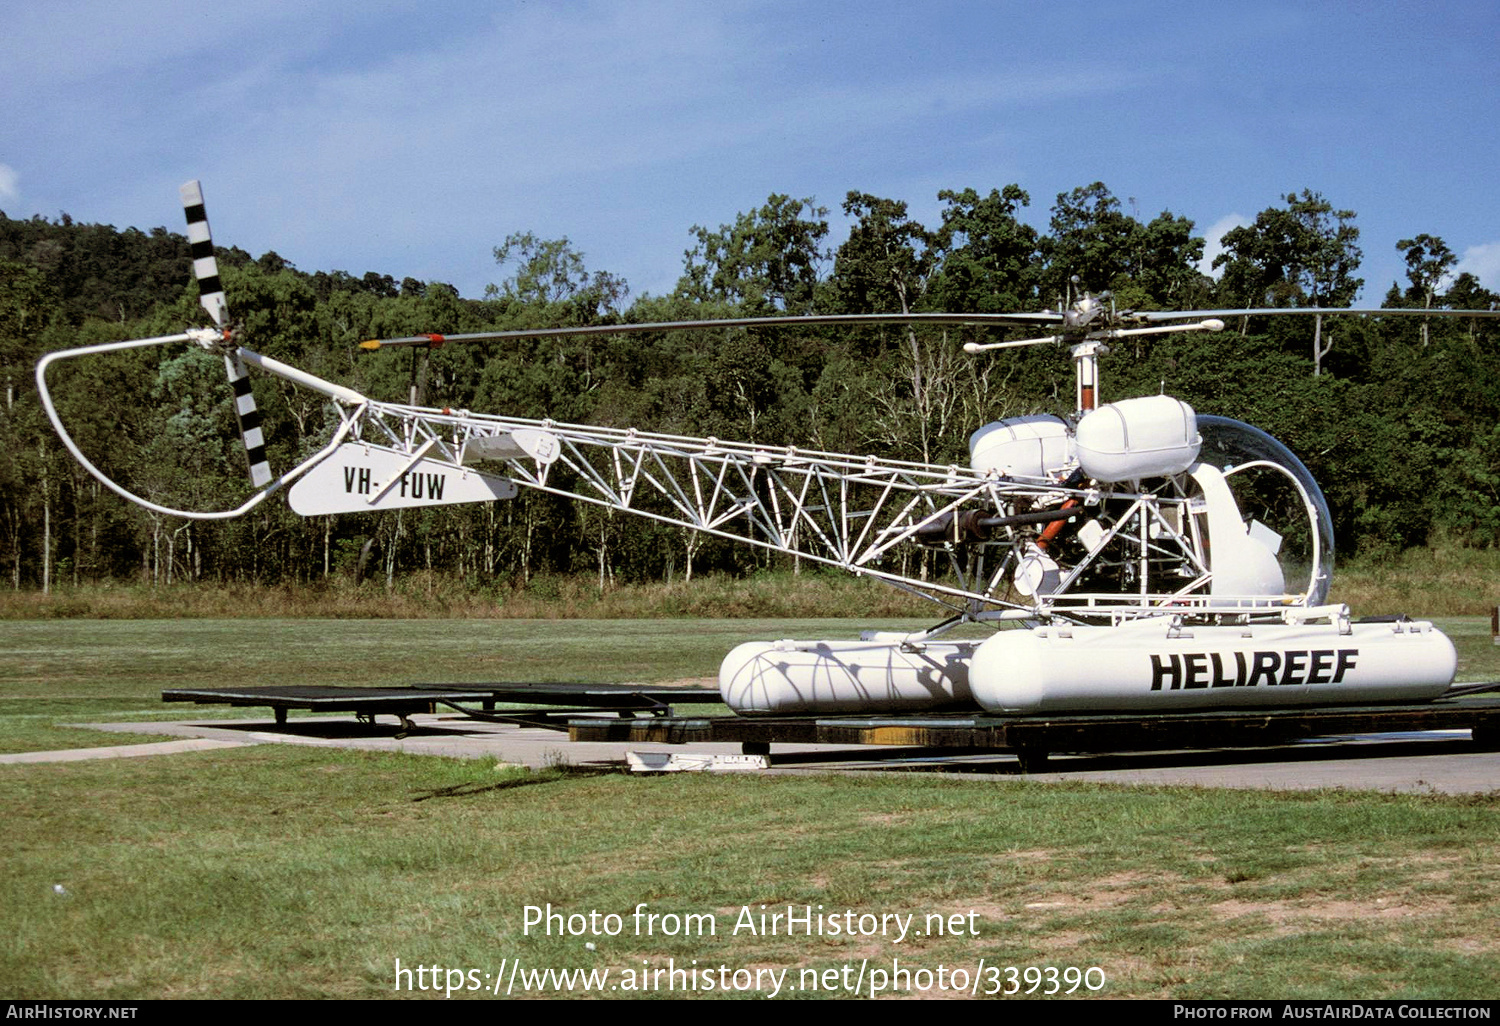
x=1398 y=418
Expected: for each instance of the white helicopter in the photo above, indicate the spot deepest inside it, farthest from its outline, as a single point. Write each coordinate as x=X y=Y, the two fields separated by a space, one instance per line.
x=1106 y=551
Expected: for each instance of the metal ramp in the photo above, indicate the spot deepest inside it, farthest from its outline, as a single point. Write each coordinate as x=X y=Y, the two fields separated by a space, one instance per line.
x=551 y=705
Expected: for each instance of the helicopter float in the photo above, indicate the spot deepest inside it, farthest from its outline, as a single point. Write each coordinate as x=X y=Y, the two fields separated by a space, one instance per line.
x=1106 y=552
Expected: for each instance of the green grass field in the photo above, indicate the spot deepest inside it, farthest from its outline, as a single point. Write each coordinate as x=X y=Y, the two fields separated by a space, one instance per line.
x=280 y=872
x=295 y=872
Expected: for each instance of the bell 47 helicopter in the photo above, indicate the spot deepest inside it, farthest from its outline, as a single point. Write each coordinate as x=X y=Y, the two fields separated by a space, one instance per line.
x=1107 y=552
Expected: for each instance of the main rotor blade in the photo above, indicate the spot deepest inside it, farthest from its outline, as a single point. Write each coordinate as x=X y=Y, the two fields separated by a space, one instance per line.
x=1310 y=311
x=971 y=319
x=978 y=320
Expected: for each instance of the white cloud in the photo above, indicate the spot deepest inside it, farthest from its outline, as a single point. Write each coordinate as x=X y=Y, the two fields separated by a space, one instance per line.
x=10 y=183
x=560 y=120
x=413 y=137
x=1214 y=240
x=1483 y=262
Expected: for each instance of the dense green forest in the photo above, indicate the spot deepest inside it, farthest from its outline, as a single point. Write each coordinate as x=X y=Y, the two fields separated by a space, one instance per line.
x=1399 y=418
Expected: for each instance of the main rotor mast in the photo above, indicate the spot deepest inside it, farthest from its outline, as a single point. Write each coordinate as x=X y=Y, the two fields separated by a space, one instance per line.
x=1088 y=342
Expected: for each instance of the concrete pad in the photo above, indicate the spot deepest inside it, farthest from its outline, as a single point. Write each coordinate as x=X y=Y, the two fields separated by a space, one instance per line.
x=1426 y=762
x=1439 y=764
x=197 y=744
x=442 y=734
x=1463 y=774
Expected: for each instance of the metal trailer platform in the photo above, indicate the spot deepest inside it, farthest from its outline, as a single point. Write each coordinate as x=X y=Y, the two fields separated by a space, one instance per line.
x=558 y=702
x=645 y=715
x=1033 y=737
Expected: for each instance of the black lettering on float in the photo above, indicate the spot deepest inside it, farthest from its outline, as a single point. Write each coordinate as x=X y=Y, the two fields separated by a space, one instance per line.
x=364 y=481
x=1197 y=670
x=348 y=479
x=1345 y=664
x=435 y=483
x=1163 y=670
x=1265 y=665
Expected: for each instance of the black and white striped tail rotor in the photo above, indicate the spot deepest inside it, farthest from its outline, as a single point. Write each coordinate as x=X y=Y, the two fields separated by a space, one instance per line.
x=211 y=295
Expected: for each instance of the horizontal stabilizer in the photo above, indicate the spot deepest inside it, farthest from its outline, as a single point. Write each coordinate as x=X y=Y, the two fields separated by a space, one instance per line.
x=361 y=478
x=518 y=444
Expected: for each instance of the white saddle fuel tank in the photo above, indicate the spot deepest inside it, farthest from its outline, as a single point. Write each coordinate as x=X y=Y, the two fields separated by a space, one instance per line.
x=1148 y=437
x=1039 y=446
x=1124 y=441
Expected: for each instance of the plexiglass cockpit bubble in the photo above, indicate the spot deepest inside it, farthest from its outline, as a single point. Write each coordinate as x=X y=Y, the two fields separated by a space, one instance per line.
x=1273 y=487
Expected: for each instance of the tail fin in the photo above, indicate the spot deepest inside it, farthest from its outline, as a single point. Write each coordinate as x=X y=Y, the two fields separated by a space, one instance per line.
x=211 y=295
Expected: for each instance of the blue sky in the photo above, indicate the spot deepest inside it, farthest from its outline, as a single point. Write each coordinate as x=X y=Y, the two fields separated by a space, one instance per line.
x=412 y=138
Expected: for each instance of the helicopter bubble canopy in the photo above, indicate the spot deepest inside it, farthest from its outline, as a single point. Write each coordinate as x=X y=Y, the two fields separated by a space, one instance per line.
x=1271 y=484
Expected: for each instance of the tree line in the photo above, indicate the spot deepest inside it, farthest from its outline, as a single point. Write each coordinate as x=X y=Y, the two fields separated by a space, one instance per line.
x=1399 y=419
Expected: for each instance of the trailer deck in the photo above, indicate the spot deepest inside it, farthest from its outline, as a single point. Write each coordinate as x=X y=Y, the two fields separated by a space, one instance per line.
x=543 y=704
x=1032 y=738
x=639 y=714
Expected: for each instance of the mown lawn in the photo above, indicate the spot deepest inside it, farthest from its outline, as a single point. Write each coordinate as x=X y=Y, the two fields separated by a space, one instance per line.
x=295 y=872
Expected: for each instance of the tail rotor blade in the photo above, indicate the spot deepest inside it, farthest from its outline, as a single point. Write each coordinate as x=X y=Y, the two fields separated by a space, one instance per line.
x=205 y=267
x=244 y=407
x=211 y=295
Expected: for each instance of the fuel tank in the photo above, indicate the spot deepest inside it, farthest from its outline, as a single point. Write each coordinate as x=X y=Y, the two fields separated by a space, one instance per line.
x=1148 y=665
x=1035 y=446
x=788 y=677
x=1134 y=438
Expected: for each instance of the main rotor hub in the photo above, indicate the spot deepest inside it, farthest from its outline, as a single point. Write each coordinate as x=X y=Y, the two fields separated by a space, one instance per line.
x=1088 y=309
